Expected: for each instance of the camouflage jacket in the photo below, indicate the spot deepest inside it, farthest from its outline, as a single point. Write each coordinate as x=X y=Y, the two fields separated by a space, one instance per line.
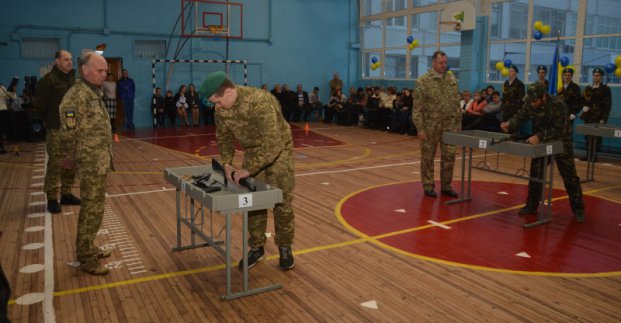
x=49 y=93
x=512 y=98
x=85 y=128
x=255 y=120
x=599 y=101
x=550 y=122
x=436 y=100
x=545 y=83
x=572 y=98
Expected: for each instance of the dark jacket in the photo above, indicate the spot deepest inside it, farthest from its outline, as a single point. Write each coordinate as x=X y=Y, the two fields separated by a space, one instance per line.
x=49 y=94
x=125 y=89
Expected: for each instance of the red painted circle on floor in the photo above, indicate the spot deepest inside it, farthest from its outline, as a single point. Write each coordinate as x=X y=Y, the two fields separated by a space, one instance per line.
x=494 y=239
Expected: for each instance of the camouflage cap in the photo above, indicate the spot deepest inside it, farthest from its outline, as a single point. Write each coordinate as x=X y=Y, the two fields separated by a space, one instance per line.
x=212 y=83
x=534 y=91
x=515 y=68
x=599 y=70
x=568 y=70
x=542 y=68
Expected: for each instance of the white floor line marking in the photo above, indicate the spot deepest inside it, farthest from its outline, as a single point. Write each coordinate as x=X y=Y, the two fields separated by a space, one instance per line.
x=370 y=304
x=74 y=264
x=34 y=228
x=36 y=185
x=49 y=315
x=38 y=176
x=31 y=268
x=137 y=272
x=443 y=226
x=33 y=246
x=36 y=215
x=29 y=299
x=134 y=268
x=523 y=254
x=128 y=248
x=139 y=193
x=37 y=193
x=400 y=210
x=134 y=263
x=37 y=203
x=131 y=255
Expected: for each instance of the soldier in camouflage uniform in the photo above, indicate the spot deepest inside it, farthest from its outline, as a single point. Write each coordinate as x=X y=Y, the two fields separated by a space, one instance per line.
x=253 y=118
x=50 y=91
x=597 y=105
x=541 y=76
x=550 y=123
x=86 y=127
x=436 y=109
x=570 y=94
x=512 y=94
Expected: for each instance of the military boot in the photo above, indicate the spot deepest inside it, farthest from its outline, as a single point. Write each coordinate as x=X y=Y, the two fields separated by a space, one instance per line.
x=93 y=267
x=527 y=210
x=254 y=255
x=103 y=253
x=69 y=199
x=286 y=258
x=53 y=207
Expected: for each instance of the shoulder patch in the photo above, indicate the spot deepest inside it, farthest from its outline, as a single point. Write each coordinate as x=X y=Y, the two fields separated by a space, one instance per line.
x=70 y=119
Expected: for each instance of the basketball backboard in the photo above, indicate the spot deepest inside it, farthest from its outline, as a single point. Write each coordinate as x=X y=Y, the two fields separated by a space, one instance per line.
x=211 y=19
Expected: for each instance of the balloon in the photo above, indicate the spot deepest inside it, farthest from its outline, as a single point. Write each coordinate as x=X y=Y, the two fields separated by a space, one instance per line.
x=504 y=72
x=618 y=60
x=538 y=25
x=546 y=29
x=373 y=59
x=411 y=46
x=500 y=65
x=373 y=67
x=538 y=35
x=618 y=72
x=610 y=67
x=378 y=64
x=564 y=61
x=415 y=42
x=508 y=62
x=410 y=39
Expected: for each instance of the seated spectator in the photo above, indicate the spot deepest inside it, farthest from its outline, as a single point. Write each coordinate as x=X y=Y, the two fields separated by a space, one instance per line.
x=489 y=89
x=193 y=101
x=372 y=112
x=465 y=100
x=474 y=110
x=315 y=103
x=336 y=104
x=282 y=99
x=182 y=106
x=157 y=106
x=360 y=105
x=170 y=109
x=405 y=124
x=386 y=104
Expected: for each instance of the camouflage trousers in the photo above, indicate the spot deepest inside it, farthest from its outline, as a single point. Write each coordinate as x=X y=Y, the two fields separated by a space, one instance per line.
x=280 y=174
x=567 y=169
x=428 y=153
x=93 y=194
x=55 y=174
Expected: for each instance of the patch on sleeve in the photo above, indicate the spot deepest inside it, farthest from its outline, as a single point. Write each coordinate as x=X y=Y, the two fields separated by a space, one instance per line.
x=70 y=119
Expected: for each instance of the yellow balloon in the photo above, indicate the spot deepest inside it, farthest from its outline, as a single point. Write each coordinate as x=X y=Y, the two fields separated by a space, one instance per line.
x=500 y=65
x=618 y=72
x=538 y=25
x=618 y=60
x=545 y=29
x=378 y=64
x=373 y=67
x=415 y=43
x=411 y=46
x=504 y=72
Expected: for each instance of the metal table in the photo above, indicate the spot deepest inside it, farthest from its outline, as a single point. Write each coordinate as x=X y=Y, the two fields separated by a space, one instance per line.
x=498 y=142
x=229 y=200
x=594 y=130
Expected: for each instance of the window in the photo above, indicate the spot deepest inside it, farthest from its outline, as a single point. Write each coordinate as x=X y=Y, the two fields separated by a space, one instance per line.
x=394 y=65
x=373 y=34
x=594 y=56
x=149 y=48
x=39 y=48
x=372 y=7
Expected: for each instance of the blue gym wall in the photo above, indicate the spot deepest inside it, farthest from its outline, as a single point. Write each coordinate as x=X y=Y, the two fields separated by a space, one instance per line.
x=284 y=41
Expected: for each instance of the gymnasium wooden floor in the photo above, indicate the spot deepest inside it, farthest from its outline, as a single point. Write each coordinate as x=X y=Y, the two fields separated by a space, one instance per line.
x=368 y=246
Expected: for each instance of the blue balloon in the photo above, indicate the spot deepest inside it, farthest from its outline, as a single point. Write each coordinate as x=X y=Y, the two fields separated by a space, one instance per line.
x=610 y=67
x=508 y=62
x=564 y=61
x=410 y=39
x=373 y=59
x=537 y=35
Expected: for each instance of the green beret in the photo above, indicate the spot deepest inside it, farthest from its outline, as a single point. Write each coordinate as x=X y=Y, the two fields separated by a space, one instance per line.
x=212 y=84
x=514 y=68
x=568 y=70
x=534 y=91
x=542 y=68
x=599 y=70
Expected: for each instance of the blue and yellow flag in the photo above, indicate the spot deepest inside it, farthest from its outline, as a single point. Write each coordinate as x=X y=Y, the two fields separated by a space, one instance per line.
x=556 y=74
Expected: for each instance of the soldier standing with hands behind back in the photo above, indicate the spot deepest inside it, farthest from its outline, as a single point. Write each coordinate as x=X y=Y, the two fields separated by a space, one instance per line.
x=597 y=105
x=253 y=118
x=550 y=123
x=436 y=109
x=85 y=125
x=50 y=92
